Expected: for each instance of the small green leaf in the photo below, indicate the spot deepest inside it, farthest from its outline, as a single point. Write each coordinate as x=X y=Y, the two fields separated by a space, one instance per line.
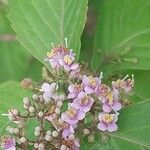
x=38 y=23
x=122 y=36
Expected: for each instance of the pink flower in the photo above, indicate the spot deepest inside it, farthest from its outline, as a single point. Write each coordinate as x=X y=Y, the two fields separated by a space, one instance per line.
x=55 y=55
x=49 y=90
x=67 y=62
x=72 y=115
x=107 y=122
x=83 y=102
x=90 y=83
x=74 y=90
x=125 y=84
x=110 y=102
x=8 y=143
x=67 y=129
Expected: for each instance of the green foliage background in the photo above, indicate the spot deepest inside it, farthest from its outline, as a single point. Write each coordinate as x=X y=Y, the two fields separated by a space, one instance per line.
x=115 y=40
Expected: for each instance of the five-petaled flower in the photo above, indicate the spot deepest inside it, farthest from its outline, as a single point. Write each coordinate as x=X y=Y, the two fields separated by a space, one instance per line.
x=107 y=122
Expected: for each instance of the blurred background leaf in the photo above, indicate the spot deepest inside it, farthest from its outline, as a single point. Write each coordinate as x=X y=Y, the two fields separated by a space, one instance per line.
x=16 y=63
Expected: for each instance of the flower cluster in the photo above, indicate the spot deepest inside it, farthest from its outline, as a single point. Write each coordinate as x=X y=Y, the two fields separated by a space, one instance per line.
x=64 y=103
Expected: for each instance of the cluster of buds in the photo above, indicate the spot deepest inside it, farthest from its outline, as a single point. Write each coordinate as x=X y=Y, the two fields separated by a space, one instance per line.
x=64 y=103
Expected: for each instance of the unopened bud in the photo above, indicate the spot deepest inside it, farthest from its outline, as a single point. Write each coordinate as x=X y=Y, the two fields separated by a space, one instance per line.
x=63 y=147
x=36 y=145
x=16 y=130
x=41 y=146
x=57 y=111
x=40 y=114
x=35 y=97
x=23 y=140
x=71 y=137
x=36 y=133
x=86 y=131
x=55 y=133
x=31 y=109
x=48 y=138
x=59 y=104
x=48 y=132
x=91 y=139
x=26 y=101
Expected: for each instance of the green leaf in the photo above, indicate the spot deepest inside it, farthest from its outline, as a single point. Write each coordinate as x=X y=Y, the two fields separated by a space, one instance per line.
x=133 y=132
x=11 y=95
x=122 y=36
x=38 y=23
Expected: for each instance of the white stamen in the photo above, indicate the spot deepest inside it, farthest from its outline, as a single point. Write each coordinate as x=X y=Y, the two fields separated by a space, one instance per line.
x=132 y=76
x=101 y=75
x=4 y=114
x=52 y=44
x=116 y=112
x=66 y=42
x=126 y=77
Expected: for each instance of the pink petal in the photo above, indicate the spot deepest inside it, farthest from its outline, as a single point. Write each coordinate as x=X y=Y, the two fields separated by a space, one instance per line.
x=101 y=126
x=117 y=106
x=107 y=108
x=71 y=95
x=45 y=87
x=88 y=90
x=74 y=66
x=112 y=127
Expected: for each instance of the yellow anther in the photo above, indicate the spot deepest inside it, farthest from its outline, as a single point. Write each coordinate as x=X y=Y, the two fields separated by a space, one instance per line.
x=67 y=59
x=72 y=112
x=92 y=81
x=84 y=100
x=108 y=118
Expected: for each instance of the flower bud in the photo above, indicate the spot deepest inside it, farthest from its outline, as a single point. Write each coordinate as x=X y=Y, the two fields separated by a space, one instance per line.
x=23 y=140
x=48 y=132
x=57 y=111
x=16 y=130
x=41 y=146
x=71 y=137
x=26 y=107
x=61 y=97
x=26 y=101
x=55 y=133
x=48 y=138
x=35 y=97
x=59 y=104
x=63 y=147
x=31 y=109
x=40 y=114
x=36 y=133
x=91 y=139
x=36 y=145
x=86 y=131
x=38 y=128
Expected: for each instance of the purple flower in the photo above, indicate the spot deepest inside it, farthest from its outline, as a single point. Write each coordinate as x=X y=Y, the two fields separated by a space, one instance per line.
x=8 y=143
x=72 y=115
x=124 y=84
x=110 y=103
x=67 y=62
x=55 y=55
x=107 y=122
x=90 y=83
x=49 y=90
x=83 y=102
x=74 y=90
x=67 y=129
